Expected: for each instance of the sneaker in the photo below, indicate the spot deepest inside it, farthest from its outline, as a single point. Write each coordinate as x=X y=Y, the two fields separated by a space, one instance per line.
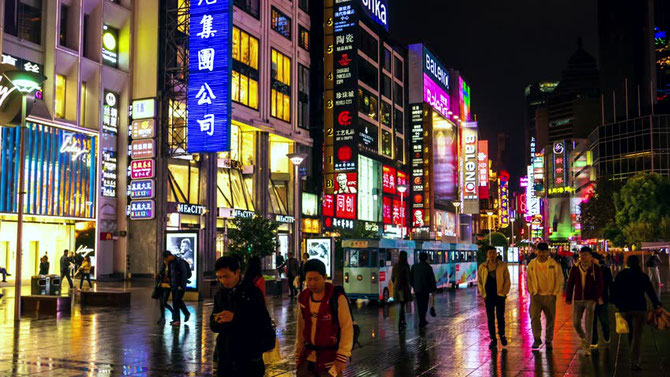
x=594 y=346
x=503 y=341
x=187 y=316
x=537 y=343
x=493 y=345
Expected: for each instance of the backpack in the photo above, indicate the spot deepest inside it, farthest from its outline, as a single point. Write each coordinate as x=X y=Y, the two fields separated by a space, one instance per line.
x=187 y=268
x=339 y=290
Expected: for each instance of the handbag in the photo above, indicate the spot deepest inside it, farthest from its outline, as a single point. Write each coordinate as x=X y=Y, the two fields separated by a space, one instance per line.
x=621 y=324
x=156 y=294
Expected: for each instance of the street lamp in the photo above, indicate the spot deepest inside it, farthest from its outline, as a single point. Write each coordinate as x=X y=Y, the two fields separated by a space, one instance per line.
x=489 y=213
x=296 y=159
x=26 y=83
x=457 y=205
x=512 y=220
x=401 y=190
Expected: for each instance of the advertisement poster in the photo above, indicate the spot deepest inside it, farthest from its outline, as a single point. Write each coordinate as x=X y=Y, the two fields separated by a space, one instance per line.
x=321 y=249
x=185 y=246
x=445 y=168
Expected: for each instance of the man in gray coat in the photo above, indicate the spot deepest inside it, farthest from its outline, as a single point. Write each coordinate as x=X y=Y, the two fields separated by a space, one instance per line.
x=422 y=279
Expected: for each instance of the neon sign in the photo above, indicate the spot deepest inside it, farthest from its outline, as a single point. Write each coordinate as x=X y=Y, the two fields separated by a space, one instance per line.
x=376 y=9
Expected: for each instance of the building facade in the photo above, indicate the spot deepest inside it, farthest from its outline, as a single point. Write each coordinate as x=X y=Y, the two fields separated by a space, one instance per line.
x=74 y=146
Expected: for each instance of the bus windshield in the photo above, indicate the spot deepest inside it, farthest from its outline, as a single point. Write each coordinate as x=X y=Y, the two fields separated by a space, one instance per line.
x=358 y=258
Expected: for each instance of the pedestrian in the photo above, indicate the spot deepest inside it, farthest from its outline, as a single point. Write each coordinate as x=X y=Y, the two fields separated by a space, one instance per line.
x=402 y=293
x=305 y=258
x=325 y=333
x=494 y=284
x=4 y=273
x=628 y=290
x=601 y=313
x=242 y=322
x=44 y=266
x=567 y=262
x=163 y=287
x=65 y=267
x=292 y=271
x=280 y=263
x=85 y=271
x=254 y=274
x=544 y=279
x=422 y=279
x=179 y=272
x=652 y=264
x=585 y=285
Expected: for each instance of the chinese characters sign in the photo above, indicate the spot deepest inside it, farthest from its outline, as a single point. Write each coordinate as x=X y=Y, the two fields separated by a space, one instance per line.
x=142 y=189
x=140 y=169
x=209 y=76
x=503 y=191
x=388 y=179
x=483 y=167
x=110 y=113
x=109 y=171
x=559 y=164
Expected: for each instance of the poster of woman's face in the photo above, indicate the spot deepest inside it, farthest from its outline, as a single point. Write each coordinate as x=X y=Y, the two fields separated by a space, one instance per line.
x=185 y=246
x=321 y=248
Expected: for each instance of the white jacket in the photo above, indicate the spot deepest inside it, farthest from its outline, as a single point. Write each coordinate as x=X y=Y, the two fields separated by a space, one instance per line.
x=556 y=277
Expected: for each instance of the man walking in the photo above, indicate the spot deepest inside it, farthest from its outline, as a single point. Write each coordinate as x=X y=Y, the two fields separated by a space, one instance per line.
x=601 y=313
x=585 y=284
x=325 y=333
x=494 y=283
x=544 y=281
x=65 y=263
x=241 y=320
x=652 y=265
x=422 y=279
x=179 y=272
x=292 y=270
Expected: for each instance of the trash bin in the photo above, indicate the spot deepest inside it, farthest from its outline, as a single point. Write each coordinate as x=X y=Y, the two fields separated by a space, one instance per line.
x=54 y=285
x=38 y=285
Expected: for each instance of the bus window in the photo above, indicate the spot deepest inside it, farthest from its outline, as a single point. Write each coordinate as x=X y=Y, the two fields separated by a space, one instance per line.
x=364 y=258
x=346 y=258
x=389 y=259
x=382 y=258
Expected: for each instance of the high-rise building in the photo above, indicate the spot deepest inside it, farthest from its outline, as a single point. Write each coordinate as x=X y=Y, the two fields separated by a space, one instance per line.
x=75 y=143
x=536 y=96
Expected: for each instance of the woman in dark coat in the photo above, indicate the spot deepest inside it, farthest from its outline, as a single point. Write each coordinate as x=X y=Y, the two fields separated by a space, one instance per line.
x=401 y=288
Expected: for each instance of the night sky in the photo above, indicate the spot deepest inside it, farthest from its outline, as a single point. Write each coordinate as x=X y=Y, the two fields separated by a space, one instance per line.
x=499 y=47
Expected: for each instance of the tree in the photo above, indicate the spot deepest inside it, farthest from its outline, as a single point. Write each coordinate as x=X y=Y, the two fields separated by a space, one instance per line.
x=643 y=208
x=255 y=235
x=599 y=211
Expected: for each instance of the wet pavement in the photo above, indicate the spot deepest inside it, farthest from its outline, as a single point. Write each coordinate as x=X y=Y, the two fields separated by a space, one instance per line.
x=127 y=341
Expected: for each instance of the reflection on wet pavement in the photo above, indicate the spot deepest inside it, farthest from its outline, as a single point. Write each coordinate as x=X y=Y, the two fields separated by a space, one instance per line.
x=113 y=341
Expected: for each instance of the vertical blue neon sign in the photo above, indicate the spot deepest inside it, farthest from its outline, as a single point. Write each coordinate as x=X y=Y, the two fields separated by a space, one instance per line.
x=209 y=66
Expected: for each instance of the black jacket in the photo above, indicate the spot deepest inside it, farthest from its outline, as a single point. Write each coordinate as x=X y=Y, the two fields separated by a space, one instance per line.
x=238 y=339
x=177 y=273
x=65 y=264
x=629 y=289
x=607 y=282
x=422 y=278
x=44 y=268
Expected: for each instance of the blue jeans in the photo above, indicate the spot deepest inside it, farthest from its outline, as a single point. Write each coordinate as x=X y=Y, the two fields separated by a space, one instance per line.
x=86 y=276
x=3 y=271
x=178 y=303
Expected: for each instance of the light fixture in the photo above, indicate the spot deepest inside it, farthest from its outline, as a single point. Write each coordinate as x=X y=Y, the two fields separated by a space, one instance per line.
x=25 y=81
x=297 y=158
x=490 y=213
x=402 y=188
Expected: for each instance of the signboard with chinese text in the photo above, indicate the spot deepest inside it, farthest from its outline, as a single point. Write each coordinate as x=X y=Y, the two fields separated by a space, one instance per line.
x=345 y=206
x=346 y=183
x=109 y=172
x=483 y=167
x=142 y=209
x=144 y=108
x=210 y=62
x=110 y=113
x=503 y=193
x=142 y=189
x=388 y=179
x=143 y=129
x=142 y=149
x=141 y=169
x=559 y=156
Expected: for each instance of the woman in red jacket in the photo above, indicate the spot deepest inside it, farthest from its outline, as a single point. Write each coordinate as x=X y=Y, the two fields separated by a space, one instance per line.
x=254 y=274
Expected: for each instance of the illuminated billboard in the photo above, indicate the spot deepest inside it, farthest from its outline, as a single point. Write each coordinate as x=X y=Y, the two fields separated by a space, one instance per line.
x=483 y=167
x=445 y=168
x=469 y=169
x=503 y=194
x=435 y=96
x=463 y=99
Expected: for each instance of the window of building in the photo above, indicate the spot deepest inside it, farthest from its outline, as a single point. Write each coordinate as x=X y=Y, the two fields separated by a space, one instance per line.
x=303 y=40
x=84 y=36
x=386 y=86
x=23 y=19
x=369 y=189
x=387 y=143
x=368 y=73
x=281 y=23
x=398 y=121
x=399 y=150
x=184 y=184
x=280 y=86
x=82 y=110
x=386 y=114
x=367 y=104
x=59 y=103
x=304 y=5
x=369 y=45
x=250 y=6
x=387 y=60
x=303 y=96
x=245 y=69
x=398 y=94
x=398 y=68
x=62 y=32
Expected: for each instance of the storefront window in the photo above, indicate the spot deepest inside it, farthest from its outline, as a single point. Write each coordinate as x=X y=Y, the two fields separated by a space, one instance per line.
x=234 y=190
x=183 y=183
x=278 y=197
x=367 y=103
x=245 y=69
x=369 y=189
x=281 y=86
x=279 y=162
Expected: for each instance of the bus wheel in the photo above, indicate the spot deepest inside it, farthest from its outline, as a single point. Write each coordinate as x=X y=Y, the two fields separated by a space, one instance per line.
x=385 y=295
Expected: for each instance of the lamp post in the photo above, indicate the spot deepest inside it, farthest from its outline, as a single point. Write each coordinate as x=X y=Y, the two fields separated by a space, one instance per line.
x=296 y=159
x=512 y=220
x=26 y=83
x=489 y=213
x=401 y=190
x=457 y=205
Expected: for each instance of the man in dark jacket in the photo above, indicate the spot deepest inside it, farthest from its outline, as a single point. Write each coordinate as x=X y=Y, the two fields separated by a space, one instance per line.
x=422 y=279
x=601 y=312
x=65 y=267
x=239 y=310
x=292 y=270
x=178 y=272
x=628 y=290
x=585 y=284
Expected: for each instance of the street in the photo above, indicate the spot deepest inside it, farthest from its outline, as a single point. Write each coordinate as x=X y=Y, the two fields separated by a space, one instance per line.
x=111 y=342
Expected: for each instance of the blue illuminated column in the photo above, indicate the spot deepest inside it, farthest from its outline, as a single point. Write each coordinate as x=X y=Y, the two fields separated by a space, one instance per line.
x=210 y=61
